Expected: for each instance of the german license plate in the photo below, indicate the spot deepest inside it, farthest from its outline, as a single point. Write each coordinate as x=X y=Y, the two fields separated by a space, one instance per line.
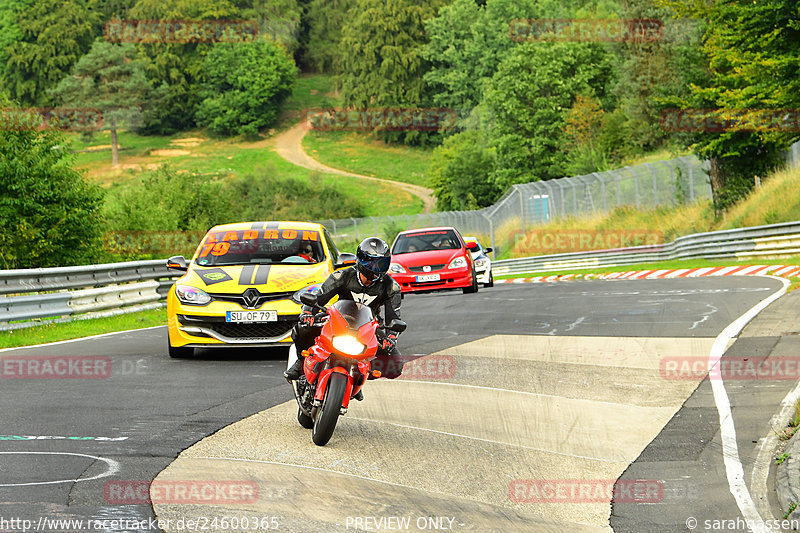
x=428 y=277
x=251 y=316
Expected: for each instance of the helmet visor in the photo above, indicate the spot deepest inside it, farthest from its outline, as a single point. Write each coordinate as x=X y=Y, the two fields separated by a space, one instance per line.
x=377 y=265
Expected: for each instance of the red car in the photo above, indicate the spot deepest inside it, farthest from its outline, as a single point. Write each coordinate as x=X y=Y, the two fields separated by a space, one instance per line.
x=432 y=259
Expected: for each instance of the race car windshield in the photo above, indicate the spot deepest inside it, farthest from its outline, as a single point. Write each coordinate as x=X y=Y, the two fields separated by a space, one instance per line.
x=245 y=247
x=426 y=241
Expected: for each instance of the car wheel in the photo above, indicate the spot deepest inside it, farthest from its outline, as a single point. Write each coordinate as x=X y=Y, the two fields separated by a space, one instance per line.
x=474 y=287
x=180 y=352
x=490 y=283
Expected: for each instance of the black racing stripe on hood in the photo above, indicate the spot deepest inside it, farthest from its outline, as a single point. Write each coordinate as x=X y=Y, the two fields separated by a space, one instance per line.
x=271 y=225
x=262 y=273
x=257 y=225
x=247 y=275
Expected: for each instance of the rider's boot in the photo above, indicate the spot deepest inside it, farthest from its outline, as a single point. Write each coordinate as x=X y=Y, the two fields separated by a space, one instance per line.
x=293 y=372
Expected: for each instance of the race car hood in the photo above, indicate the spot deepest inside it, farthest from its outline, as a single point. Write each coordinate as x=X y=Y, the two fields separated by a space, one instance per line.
x=432 y=257
x=234 y=279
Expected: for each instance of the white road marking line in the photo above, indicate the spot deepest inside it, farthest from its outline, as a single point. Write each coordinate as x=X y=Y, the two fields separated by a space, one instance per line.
x=113 y=468
x=490 y=441
x=79 y=339
x=730 y=450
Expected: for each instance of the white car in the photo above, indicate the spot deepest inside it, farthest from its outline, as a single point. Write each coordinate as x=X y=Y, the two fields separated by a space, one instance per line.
x=483 y=264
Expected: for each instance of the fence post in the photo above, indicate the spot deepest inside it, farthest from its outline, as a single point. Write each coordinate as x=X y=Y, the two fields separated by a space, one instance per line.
x=685 y=161
x=491 y=232
x=655 y=183
x=635 y=184
x=333 y=223
x=603 y=189
x=672 y=181
x=355 y=227
x=521 y=206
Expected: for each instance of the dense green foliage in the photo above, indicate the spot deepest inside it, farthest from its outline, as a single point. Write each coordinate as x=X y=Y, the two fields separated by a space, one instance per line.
x=168 y=200
x=49 y=216
x=243 y=87
x=753 y=51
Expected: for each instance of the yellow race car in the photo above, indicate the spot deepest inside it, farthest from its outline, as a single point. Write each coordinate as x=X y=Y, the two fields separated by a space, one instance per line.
x=242 y=286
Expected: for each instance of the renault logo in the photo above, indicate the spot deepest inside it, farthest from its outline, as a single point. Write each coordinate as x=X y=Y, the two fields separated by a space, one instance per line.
x=250 y=297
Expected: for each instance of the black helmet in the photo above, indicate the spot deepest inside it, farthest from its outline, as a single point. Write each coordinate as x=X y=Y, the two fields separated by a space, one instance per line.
x=373 y=258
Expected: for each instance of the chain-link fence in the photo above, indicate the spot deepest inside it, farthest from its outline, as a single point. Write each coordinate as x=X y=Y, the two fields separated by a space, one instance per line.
x=677 y=181
x=661 y=183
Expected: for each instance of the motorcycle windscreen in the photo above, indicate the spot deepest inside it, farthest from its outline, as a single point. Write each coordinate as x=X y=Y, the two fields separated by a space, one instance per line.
x=354 y=313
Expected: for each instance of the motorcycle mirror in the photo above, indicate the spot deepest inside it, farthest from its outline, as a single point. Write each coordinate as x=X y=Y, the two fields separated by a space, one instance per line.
x=309 y=298
x=397 y=325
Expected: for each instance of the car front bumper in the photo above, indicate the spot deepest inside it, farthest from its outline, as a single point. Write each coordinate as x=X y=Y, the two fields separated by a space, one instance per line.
x=448 y=279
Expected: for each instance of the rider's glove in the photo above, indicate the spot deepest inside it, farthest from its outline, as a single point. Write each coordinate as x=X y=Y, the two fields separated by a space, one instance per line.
x=321 y=318
x=389 y=342
x=306 y=319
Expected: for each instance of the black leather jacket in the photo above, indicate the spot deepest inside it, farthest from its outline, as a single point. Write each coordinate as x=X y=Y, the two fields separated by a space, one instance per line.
x=346 y=285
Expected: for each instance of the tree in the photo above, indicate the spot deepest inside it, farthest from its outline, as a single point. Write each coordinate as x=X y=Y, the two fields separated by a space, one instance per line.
x=49 y=215
x=753 y=52
x=176 y=66
x=326 y=18
x=243 y=87
x=530 y=95
x=382 y=64
x=459 y=172
x=54 y=34
x=107 y=78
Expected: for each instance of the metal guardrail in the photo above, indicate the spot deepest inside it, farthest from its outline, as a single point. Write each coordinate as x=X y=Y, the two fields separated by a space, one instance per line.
x=31 y=295
x=773 y=241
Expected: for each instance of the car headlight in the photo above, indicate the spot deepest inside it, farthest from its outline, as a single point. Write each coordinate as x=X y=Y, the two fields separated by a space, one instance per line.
x=394 y=268
x=311 y=288
x=348 y=345
x=458 y=262
x=192 y=295
x=480 y=262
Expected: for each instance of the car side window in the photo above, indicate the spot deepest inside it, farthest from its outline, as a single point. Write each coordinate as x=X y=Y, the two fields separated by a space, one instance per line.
x=331 y=245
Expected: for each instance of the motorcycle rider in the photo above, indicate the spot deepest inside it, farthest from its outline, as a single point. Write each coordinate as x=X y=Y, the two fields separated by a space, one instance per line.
x=366 y=282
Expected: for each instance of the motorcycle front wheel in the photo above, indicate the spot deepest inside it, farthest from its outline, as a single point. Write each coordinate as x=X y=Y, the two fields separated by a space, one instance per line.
x=326 y=419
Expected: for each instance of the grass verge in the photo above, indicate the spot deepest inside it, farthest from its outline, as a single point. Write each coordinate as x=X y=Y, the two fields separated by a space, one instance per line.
x=662 y=265
x=82 y=328
x=363 y=154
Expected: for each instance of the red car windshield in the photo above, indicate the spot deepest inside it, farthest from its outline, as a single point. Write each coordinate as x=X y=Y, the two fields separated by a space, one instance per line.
x=425 y=241
x=265 y=246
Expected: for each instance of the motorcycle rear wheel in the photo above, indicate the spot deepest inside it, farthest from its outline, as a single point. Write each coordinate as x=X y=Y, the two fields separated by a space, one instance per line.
x=326 y=419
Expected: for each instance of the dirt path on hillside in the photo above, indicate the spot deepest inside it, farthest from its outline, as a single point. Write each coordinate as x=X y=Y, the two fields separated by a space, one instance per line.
x=289 y=146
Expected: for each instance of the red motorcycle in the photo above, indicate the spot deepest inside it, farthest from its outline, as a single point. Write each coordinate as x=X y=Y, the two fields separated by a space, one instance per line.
x=338 y=364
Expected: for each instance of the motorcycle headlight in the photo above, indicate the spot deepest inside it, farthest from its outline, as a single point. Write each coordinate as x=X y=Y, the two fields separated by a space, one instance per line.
x=394 y=268
x=311 y=288
x=192 y=295
x=348 y=345
x=458 y=262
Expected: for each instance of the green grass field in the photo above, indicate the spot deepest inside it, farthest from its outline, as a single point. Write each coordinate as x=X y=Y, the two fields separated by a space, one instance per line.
x=363 y=154
x=82 y=328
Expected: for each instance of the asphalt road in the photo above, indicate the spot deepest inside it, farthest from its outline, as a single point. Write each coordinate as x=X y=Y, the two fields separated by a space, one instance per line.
x=133 y=423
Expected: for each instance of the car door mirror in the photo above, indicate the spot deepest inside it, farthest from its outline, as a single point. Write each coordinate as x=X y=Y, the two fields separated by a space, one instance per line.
x=488 y=250
x=345 y=260
x=177 y=262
